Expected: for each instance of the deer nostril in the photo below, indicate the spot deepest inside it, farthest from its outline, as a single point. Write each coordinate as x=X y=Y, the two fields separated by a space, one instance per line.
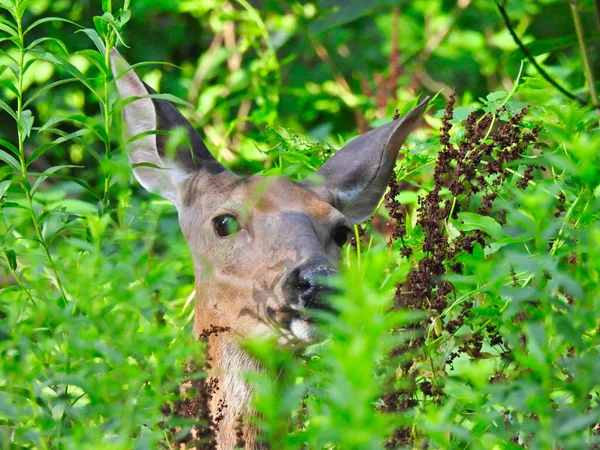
x=306 y=286
x=304 y=283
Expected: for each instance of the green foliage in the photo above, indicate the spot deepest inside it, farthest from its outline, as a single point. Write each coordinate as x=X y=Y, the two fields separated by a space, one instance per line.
x=96 y=286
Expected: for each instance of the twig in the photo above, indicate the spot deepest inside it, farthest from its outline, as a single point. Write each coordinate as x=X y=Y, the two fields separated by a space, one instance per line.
x=589 y=74
x=441 y=33
x=532 y=60
x=435 y=38
x=597 y=13
x=203 y=68
x=394 y=60
x=341 y=82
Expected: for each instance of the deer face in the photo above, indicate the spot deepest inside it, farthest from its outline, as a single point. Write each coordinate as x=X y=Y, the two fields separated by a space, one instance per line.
x=262 y=246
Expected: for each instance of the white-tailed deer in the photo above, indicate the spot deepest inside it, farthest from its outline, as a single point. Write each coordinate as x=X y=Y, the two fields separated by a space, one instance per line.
x=260 y=245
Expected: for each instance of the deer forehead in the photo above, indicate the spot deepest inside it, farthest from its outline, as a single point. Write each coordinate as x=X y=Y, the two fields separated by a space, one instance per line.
x=255 y=197
x=284 y=195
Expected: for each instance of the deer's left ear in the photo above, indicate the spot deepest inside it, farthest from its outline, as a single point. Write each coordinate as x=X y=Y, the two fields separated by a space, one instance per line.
x=355 y=178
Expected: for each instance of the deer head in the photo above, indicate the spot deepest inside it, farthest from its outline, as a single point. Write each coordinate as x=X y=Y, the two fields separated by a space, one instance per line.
x=260 y=245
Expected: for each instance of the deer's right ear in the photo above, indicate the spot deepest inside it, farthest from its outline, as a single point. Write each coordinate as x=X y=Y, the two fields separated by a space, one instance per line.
x=148 y=121
x=355 y=178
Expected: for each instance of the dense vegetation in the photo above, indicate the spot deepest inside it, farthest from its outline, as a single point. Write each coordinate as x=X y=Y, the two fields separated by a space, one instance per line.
x=469 y=305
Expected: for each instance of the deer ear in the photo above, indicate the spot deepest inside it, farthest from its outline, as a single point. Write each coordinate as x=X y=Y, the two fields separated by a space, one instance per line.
x=148 y=122
x=355 y=178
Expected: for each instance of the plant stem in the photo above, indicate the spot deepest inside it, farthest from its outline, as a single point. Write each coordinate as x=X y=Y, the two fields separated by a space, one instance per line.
x=589 y=74
x=105 y=100
x=531 y=58
x=21 y=139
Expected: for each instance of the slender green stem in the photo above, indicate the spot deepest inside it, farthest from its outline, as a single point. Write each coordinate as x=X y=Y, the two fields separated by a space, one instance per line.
x=17 y=278
x=358 y=250
x=106 y=113
x=22 y=157
x=589 y=73
x=21 y=62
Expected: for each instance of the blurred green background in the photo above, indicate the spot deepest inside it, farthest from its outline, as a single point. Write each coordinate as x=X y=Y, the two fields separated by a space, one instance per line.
x=322 y=69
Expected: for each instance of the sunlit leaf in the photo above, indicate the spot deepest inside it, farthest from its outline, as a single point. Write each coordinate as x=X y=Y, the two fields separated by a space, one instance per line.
x=11 y=257
x=26 y=122
x=49 y=19
x=96 y=39
x=8 y=109
x=45 y=147
x=66 y=66
x=468 y=221
x=11 y=161
x=44 y=176
x=47 y=88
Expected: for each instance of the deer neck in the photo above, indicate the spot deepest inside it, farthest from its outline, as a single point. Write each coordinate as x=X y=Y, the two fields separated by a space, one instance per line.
x=229 y=393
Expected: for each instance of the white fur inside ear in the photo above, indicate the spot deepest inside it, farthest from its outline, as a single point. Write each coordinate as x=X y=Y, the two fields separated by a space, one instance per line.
x=140 y=117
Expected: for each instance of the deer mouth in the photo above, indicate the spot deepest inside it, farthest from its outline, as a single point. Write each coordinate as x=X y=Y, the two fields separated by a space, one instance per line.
x=294 y=324
x=299 y=323
x=306 y=291
x=304 y=329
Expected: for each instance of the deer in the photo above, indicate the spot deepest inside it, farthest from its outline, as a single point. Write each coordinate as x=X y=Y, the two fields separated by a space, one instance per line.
x=262 y=246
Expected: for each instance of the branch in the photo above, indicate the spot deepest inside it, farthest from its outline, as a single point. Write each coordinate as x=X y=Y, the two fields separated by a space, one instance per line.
x=532 y=60
x=589 y=73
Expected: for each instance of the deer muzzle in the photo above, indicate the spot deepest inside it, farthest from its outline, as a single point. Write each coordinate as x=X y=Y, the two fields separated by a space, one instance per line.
x=306 y=287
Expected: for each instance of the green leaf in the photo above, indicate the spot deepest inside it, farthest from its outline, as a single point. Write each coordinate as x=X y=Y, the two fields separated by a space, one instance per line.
x=8 y=109
x=461 y=113
x=11 y=87
x=8 y=5
x=541 y=46
x=44 y=148
x=471 y=221
x=4 y=185
x=110 y=21
x=124 y=17
x=96 y=59
x=91 y=124
x=8 y=27
x=43 y=89
x=346 y=11
x=8 y=159
x=11 y=257
x=96 y=39
x=495 y=96
x=9 y=146
x=167 y=97
x=26 y=122
x=101 y=26
x=60 y=43
x=578 y=423
x=73 y=179
x=66 y=65
x=49 y=19
x=22 y=7
x=44 y=176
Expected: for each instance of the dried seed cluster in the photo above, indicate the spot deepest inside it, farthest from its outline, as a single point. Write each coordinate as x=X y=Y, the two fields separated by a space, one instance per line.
x=193 y=403
x=473 y=169
x=477 y=164
x=194 y=398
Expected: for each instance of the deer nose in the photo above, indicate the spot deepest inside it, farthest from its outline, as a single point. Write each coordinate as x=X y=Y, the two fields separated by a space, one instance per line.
x=305 y=286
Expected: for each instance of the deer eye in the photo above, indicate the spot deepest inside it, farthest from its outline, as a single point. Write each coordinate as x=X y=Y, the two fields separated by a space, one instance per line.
x=341 y=235
x=226 y=225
